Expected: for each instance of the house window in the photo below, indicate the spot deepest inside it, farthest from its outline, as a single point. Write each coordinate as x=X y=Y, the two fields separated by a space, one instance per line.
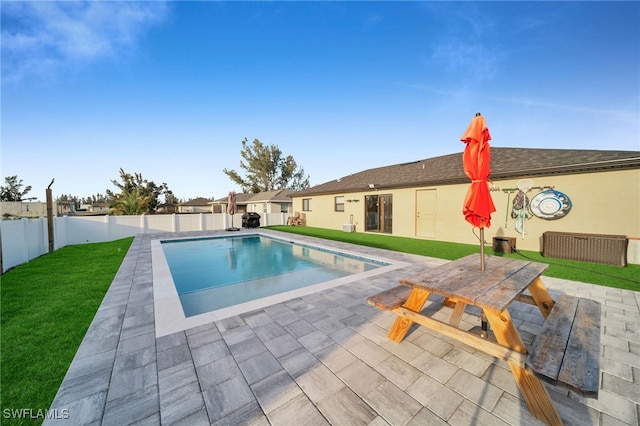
x=339 y=204
x=284 y=208
x=306 y=204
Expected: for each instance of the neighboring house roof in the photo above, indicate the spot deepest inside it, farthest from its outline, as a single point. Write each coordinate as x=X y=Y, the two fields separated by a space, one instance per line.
x=241 y=198
x=200 y=202
x=506 y=163
x=96 y=204
x=277 y=196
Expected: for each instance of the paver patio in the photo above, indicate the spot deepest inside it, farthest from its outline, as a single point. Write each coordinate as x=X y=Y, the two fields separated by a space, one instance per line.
x=323 y=359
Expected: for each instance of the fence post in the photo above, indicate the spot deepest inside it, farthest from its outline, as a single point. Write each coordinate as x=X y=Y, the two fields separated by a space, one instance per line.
x=56 y=232
x=25 y=229
x=107 y=227
x=143 y=223
x=45 y=231
x=50 y=217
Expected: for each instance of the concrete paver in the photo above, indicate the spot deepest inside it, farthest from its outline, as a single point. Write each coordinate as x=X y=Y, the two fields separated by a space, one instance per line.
x=323 y=359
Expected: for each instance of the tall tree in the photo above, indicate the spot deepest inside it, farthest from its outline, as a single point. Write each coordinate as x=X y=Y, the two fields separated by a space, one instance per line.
x=131 y=202
x=69 y=199
x=78 y=201
x=95 y=199
x=13 y=191
x=266 y=169
x=135 y=186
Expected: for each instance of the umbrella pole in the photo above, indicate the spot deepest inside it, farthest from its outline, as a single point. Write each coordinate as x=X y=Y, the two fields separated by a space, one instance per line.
x=482 y=249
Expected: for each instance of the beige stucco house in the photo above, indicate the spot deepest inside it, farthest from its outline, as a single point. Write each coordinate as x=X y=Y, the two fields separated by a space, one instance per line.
x=423 y=199
x=220 y=205
x=277 y=201
x=95 y=209
x=29 y=209
x=197 y=205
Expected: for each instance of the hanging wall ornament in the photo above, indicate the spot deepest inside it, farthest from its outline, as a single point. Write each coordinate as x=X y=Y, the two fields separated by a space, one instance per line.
x=520 y=210
x=550 y=205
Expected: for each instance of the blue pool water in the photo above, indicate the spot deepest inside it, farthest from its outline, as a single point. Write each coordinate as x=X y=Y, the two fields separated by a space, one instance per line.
x=214 y=273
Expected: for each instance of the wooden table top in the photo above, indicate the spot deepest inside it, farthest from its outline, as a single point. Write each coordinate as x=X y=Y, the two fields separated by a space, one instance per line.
x=502 y=281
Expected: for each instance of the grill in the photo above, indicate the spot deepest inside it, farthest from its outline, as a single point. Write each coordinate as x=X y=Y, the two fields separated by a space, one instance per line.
x=607 y=249
x=251 y=220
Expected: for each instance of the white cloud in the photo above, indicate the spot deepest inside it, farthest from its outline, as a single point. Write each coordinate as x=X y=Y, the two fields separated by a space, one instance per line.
x=464 y=93
x=472 y=61
x=43 y=38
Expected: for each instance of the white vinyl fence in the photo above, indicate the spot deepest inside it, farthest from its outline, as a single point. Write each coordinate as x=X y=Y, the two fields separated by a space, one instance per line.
x=26 y=239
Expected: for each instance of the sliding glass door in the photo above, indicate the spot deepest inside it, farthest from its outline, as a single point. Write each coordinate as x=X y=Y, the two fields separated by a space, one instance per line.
x=378 y=213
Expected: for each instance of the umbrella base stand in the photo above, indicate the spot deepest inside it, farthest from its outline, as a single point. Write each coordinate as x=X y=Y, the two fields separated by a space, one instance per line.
x=232 y=228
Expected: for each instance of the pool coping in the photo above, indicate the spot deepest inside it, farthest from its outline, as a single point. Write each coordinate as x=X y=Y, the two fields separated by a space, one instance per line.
x=170 y=317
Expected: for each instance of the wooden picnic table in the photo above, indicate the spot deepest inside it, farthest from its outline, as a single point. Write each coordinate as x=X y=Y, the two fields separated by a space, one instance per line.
x=493 y=290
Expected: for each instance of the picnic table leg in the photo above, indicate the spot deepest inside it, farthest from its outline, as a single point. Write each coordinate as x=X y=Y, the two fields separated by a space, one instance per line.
x=534 y=392
x=458 y=310
x=401 y=326
x=541 y=296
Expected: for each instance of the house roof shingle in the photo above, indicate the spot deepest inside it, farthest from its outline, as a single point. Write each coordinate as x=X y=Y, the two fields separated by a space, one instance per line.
x=278 y=195
x=506 y=163
x=200 y=202
x=241 y=198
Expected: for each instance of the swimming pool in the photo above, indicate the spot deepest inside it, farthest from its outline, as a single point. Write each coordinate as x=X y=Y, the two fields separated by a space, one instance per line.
x=218 y=272
x=198 y=280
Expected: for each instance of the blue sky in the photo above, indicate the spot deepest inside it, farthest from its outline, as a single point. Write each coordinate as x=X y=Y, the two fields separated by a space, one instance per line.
x=169 y=90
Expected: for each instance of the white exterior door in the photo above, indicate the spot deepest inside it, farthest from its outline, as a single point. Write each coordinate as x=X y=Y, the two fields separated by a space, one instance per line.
x=426 y=213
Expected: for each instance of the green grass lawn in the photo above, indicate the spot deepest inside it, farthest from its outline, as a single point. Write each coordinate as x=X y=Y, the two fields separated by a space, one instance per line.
x=46 y=306
x=595 y=273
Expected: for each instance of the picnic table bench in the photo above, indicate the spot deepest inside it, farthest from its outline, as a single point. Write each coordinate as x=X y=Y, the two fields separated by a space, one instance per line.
x=566 y=352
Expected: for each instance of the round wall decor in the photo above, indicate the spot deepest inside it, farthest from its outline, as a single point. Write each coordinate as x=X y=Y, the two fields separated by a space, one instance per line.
x=550 y=204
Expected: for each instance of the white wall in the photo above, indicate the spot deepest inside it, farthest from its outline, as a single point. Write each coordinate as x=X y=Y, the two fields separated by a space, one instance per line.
x=23 y=240
x=26 y=239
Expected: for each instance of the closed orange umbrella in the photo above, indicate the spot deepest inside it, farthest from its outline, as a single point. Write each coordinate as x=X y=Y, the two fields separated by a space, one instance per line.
x=476 y=160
